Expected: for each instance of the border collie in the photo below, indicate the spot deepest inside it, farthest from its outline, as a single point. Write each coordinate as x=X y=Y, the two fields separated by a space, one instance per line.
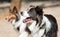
x=37 y=24
x=33 y=23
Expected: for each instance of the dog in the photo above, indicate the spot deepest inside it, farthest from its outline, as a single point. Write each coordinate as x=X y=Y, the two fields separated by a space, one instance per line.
x=37 y=24
x=13 y=17
x=33 y=23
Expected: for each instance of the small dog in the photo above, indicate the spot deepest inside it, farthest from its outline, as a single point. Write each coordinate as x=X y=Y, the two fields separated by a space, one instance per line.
x=33 y=23
x=14 y=17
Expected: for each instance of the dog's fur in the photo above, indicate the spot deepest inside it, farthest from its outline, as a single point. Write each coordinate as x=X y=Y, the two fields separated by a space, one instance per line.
x=41 y=25
x=13 y=17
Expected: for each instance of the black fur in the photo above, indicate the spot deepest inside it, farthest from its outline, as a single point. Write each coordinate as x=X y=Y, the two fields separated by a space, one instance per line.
x=54 y=28
x=18 y=28
x=39 y=10
x=36 y=13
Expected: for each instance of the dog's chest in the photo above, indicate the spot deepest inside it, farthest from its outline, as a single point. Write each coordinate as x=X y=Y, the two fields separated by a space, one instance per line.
x=39 y=33
x=35 y=31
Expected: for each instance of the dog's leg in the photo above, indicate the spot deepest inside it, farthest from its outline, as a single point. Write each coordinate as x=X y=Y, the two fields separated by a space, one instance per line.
x=41 y=33
x=22 y=31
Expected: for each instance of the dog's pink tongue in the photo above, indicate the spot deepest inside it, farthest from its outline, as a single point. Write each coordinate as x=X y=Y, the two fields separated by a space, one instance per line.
x=26 y=20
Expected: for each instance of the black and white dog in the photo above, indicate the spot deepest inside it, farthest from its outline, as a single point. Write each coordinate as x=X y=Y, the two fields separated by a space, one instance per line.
x=33 y=23
x=37 y=24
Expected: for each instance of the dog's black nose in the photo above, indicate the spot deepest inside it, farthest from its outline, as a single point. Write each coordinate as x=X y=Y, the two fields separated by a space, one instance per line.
x=21 y=13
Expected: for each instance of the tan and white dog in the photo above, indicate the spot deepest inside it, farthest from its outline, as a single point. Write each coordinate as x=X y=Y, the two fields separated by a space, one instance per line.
x=13 y=17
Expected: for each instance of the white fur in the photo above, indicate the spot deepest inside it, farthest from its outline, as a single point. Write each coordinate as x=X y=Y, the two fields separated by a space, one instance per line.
x=48 y=24
x=25 y=14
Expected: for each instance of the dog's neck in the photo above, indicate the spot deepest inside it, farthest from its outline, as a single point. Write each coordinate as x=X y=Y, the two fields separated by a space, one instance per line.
x=33 y=25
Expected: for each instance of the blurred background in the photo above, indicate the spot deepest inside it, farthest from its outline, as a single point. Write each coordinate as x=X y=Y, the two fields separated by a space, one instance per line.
x=50 y=7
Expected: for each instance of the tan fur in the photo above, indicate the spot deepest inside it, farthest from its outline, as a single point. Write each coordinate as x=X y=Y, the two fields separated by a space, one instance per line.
x=11 y=16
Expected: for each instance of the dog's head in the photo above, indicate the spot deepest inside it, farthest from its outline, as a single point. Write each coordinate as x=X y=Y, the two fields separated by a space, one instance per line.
x=13 y=15
x=34 y=13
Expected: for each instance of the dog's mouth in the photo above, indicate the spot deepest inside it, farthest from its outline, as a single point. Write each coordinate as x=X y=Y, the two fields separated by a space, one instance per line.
x=27 y=19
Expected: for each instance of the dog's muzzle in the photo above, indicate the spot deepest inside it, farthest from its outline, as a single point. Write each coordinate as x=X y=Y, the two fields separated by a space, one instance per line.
x=10 y=17
x=27 y=19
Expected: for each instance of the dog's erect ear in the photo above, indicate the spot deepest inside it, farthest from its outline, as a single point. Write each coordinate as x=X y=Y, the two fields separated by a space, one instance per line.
x=15 y=10
x=39 y=10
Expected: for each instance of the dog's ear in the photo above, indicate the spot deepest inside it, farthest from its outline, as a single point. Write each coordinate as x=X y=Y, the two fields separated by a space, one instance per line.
x=39 y=10
x=15 y=10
